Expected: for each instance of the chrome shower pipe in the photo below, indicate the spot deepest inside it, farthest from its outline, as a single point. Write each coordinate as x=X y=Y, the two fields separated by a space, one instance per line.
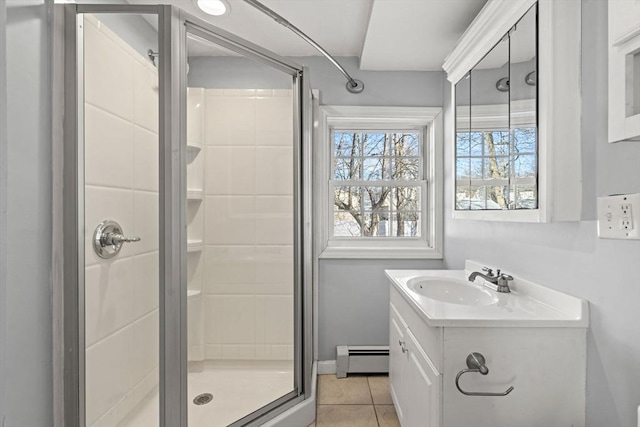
x=353 y=85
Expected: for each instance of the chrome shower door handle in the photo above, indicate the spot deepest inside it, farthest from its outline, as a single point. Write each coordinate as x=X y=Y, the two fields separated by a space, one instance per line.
x=108 y=239
x=117 y=239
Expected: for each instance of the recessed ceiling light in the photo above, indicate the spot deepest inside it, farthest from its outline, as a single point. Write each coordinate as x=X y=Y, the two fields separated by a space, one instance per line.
x=213 y=7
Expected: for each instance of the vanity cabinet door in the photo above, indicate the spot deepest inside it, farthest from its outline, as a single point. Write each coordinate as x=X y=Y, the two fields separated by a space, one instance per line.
x=423 y=386
x=397 y=362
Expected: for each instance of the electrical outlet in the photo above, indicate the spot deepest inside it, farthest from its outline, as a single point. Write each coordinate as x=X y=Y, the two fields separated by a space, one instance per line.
x=616 y=216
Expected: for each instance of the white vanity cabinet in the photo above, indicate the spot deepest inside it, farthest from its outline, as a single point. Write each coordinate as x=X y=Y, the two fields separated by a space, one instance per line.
x=545 y=365
x=414 y=380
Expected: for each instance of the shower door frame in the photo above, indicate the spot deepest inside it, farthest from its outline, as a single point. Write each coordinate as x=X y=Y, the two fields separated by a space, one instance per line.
x=172 y=80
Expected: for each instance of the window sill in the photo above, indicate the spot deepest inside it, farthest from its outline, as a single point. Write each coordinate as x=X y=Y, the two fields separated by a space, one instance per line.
x=345 y=252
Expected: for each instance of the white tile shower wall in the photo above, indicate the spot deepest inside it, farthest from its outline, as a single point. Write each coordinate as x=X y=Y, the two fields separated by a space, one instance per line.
x=248 y=288
x=121 y=175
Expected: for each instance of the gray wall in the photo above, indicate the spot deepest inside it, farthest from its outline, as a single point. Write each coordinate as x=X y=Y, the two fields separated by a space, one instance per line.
x=26 y=303
x=234 y=72
x=386 y=88
x=407 y=88
x=353 y=295
x=569 y=256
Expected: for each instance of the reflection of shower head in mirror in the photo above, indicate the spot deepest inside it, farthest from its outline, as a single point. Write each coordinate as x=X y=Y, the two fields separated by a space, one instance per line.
x=503 y=84
x=531 y=78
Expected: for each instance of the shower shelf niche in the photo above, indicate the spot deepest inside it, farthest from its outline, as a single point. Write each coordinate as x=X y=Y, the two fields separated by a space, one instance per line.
x=195 y=224
x=195 y=195
x=195 y=245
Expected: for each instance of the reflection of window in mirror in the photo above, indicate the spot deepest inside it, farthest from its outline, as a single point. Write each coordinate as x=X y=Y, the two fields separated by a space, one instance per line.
x=496 y=130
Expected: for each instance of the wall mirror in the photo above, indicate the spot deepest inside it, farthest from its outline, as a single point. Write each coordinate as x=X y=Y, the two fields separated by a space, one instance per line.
x=496 y=166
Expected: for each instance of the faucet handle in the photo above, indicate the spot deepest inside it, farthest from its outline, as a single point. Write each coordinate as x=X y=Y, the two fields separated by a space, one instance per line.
x=488 y=271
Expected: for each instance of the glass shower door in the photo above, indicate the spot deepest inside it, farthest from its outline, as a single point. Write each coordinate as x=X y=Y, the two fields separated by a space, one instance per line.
x=119 y=138
x=181 y=217
x=241 y=223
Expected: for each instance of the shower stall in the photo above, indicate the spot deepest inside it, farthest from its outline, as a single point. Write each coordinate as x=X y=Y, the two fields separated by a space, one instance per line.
x=186 y=223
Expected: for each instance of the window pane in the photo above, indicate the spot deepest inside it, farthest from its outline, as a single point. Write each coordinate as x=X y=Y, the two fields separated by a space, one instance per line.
x=477 y=166
x=347 y=169
x=376 y=169
x=374 y=144
x=406 y=168
x=346 y=144
x=347 y=198
x=525 y=166
x=376 y=224
x=463 y=168
x=463 y=143
x=524 y=140
x=406 y=198
x=525 y=197
x=476 y=143
x=482 y=197
x=496 y=167
x=405 y=144
x=376 y=198
x=497 y=196
x=496 y=143
x=405 y=224
x=463 y=196
x=345 y=224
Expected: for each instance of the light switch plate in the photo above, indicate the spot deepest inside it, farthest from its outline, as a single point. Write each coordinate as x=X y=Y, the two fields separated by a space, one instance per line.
x=619 y=216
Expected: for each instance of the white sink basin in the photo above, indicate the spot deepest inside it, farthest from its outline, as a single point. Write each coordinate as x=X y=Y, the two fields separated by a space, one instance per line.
x=447 y=298
x=451 y=291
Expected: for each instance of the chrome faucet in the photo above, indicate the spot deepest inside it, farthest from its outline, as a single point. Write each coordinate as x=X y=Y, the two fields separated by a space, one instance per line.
x=499 y=279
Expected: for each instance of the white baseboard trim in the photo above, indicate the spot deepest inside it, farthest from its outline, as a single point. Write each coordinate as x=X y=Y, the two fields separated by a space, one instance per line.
x=326 y=367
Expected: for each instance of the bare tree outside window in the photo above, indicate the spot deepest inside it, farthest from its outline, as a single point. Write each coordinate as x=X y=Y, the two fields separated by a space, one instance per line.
x=500 y=166
x=377 y=183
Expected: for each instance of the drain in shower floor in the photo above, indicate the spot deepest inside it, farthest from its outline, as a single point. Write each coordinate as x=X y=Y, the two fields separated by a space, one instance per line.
x=203 y=399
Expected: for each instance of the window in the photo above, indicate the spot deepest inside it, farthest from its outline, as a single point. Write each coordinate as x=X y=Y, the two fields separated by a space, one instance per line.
x=381 y=182
x=377 y=185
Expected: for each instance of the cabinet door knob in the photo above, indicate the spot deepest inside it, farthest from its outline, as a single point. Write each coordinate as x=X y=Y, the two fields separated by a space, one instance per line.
x=402 y=347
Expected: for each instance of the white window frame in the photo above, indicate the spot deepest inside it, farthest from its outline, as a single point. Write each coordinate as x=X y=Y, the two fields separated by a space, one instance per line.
x=429 y=119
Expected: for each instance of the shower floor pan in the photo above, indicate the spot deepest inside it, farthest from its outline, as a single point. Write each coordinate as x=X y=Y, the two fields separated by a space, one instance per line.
x=238 y=388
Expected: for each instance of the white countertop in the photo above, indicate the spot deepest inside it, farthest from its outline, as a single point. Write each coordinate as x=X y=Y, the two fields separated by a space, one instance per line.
x=527 y=305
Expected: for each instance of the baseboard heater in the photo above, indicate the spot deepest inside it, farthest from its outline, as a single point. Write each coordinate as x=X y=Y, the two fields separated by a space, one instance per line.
x=368 y=359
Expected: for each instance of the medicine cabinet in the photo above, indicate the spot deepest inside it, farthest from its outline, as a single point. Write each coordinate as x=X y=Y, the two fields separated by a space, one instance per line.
x=624 y=70
x=516 y=95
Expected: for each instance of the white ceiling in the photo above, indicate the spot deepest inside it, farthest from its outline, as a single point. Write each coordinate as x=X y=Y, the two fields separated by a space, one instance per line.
x=385 y=34
x=415 y=34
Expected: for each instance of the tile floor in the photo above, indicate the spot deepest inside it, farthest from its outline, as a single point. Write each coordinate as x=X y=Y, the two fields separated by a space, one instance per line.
x=355 y=401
